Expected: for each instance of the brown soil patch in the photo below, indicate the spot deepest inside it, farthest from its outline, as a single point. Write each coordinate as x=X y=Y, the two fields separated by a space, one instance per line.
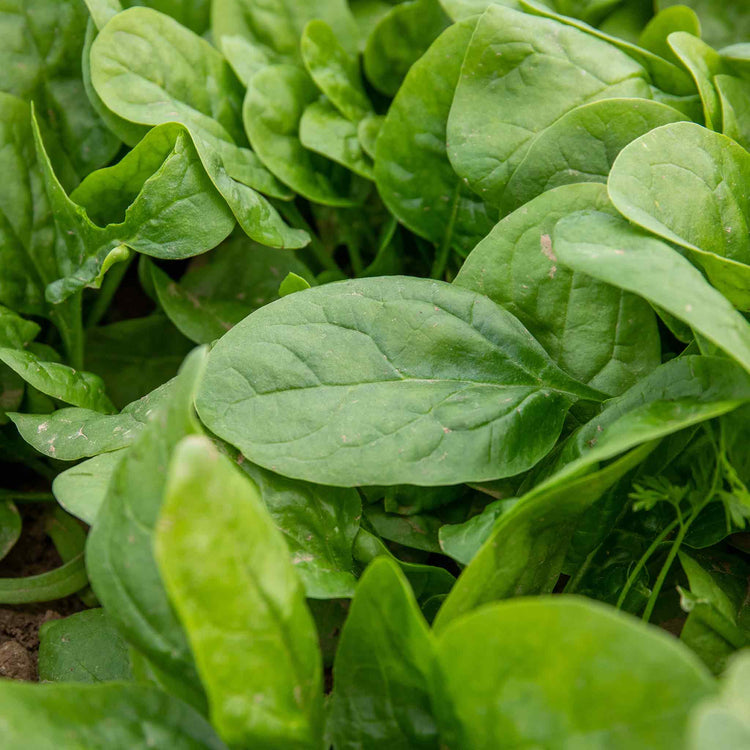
x=33 y=554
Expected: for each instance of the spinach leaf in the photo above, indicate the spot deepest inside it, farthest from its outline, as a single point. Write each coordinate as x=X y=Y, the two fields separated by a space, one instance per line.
x=399 y=39
x=134 y=357
x=74 y=433
x=275 y=28
x=119 y=551
x=724 y=718
x=319 y=525
x=323 y=129
x=430 y=583
x=516 y=267
x=158 y=201
x=533 y=673
x=702 y=381
x=28 y=237
x=383 y=669
x=412 y=171
x=494 y=119
x=718 y=622
x=221 y=288
x=334 y=70
x=526 y=550
x=82 y=489
x=669 y=79
x=271 y=695
x=429 y=384
x=82 y=389
x=735 y=108
x=708 y=171
x=611 y=250
x=703 y=63
x=121 y=62
x=583 y=144
x=96 y=717
x=10 y=527
x=84 y=647
x=655 y=36
x=276 y=99
x=41 y=61
x=721 y=23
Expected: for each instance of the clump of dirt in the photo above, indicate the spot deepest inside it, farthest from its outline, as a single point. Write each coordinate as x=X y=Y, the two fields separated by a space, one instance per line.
x=34 y=553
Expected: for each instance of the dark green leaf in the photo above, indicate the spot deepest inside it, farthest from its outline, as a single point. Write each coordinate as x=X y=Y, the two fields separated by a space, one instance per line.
x=84 y=647
x=412 y=171
x=386 y=381
x=613 y=251
x=593 y=331
x=134 y=357
x=40 y=57
x=221 y=288
x=276 y=100
x=525 y=553
x=708 y=172
x=494 y=119
x=122 y=73
x=319 y=525
x=82 y=389
x=119 y=552
x=582 y=145
x=72 y=434
x=383 y=669
x=399 y=39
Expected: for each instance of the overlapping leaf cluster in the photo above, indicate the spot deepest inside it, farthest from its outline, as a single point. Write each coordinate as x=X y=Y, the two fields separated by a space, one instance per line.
x=469 y=282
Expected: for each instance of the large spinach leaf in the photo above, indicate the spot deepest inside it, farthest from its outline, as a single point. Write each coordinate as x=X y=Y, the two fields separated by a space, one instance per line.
x=386 y=381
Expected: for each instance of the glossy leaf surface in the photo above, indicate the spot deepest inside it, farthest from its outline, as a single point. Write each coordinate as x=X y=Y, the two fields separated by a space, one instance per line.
x=271 y=693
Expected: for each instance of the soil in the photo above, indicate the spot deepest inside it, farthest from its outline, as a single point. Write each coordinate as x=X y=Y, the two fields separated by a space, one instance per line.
x=33 y=554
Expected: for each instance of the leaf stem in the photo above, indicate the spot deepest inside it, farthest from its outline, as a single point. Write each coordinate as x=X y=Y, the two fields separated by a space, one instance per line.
x=355 y=257
x=56 y=584
x=112 y=280
x=444 y=251
x=644 y=559
x=665 y=569
x=67 y=317
x=684 y=528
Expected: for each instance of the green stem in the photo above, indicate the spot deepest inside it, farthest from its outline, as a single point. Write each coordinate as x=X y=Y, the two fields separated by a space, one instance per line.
x=67 y=318
x=665 y=570
x=112 y=280
x=355 y=257
x=441 y=261
x=444 y=251
x=292 y=214
x=684 y=528
x=47 y=587
x=644 y=559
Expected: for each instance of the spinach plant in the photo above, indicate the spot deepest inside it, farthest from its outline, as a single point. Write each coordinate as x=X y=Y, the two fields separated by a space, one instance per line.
x=381 y=371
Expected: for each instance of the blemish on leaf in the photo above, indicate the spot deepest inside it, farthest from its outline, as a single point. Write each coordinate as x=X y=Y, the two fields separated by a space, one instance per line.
x=546 y=244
